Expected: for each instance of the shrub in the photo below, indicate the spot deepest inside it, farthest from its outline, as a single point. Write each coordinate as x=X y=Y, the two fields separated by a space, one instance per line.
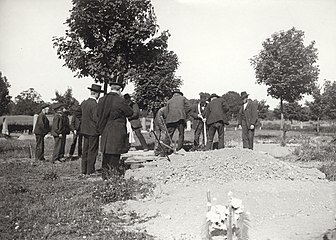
x=329 y=170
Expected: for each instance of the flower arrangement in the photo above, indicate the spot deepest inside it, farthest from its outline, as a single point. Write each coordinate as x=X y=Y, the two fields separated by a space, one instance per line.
x=227 y=222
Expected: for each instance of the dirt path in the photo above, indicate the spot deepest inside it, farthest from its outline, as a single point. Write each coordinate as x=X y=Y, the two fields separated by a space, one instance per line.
x=284 y=200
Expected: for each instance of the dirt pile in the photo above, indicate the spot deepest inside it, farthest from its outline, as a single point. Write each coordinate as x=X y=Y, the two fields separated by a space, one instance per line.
x=224 y=165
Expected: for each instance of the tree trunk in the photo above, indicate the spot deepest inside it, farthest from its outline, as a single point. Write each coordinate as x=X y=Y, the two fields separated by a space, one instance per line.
x=282 y=124
x=318 y=126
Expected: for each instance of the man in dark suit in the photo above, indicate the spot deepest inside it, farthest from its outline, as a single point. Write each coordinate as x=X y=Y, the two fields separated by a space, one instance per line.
x=40 y=130
x=216 y=118
x=247 y=119
x=75 y=127
x=65 y=131
x=177 y=109
x=89 y=130
x=135 y=121
x=198 y=114
x=112 y=113
x=56 y=132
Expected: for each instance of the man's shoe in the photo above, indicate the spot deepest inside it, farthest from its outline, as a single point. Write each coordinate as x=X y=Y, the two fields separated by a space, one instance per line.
x=146 y=150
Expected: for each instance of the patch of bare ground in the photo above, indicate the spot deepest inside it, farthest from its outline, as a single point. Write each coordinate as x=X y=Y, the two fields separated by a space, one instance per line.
x=285 y=201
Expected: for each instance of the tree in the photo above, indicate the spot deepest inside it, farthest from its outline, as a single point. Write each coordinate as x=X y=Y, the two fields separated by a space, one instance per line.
x=286 y=66
x=67 y=99
x=329 y=99
x=109 y=38
x=5 y=99
x=263 y=109
x=233 y=100
x=155 y=79
x=317 y=106
x=27 y=102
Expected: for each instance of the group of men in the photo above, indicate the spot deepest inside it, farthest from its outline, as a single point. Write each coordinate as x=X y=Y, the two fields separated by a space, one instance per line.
x=106 y=118
x=210 y=116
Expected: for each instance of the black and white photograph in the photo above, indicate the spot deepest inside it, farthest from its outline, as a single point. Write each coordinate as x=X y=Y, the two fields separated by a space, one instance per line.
x=168 y=119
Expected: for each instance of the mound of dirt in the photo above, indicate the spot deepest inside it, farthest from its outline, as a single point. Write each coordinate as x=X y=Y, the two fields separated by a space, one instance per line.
x=224 y=165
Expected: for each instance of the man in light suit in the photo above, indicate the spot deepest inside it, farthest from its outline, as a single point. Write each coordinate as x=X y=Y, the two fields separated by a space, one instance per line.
x=89 y=130
x=247 y=119
x=178 y=107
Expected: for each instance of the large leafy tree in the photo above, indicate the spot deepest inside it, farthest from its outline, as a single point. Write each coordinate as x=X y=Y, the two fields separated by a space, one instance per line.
x=233 y=100
x=27 y=102
x=287 y=66
x=66 y=98
x=5 y=99
x=317 y=106
x=106 y=38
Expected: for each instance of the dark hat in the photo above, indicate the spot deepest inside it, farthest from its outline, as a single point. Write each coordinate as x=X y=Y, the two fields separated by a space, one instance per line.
x=214 y=95
x=44 y=105
x=57 y=106
x=177 y=91
x=117 y=78
x=244 y=95
x=95 y=88
x=127 y=96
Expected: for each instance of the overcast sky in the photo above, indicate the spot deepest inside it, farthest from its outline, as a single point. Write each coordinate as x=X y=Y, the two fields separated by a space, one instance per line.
x=213 y=39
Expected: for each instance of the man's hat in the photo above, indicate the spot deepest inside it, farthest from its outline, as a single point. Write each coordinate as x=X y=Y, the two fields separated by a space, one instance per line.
x=127 y=96
x=214 y=95
x=57 y=106
x=117 y=79
x=243 y=95
x=44 y=105
x=177 y=91
x=95 y=88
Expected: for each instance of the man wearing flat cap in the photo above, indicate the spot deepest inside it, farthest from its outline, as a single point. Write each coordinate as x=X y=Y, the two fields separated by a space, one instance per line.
x=112 y=113
x=216 y=119
x=176 y=112
x=40 y=130
x=89 y=130
x=247 y=119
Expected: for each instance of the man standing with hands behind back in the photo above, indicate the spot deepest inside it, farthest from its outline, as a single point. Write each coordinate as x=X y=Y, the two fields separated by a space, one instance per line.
x=247 y=119
x=89 y=130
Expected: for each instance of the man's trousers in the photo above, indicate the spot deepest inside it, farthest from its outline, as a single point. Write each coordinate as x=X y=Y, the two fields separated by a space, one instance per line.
x=57 y=149
x=171 y=129
x=212 y=129
x=73 y=145
x=39 y=150
x=199 y=130
x=90 y=152
x=247 y=136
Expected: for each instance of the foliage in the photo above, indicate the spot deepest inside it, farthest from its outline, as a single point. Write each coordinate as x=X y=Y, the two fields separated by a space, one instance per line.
x=5 y=99
x=66 y=98
x=117 y=37
x=104 y=36
x=329 y=99
x=155 y=79
x=263 y=109
x=286 y=66
x=27 y=102
x=316 y=107
x=234 y=102
x=329 y=169
x=293 y=111
x=58 y=209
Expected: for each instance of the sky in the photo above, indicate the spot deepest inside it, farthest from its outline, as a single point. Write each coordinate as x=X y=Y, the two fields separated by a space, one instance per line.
x=214 y=40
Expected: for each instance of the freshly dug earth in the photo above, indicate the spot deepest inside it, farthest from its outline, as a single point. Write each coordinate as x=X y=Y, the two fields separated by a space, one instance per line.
x=284 y=200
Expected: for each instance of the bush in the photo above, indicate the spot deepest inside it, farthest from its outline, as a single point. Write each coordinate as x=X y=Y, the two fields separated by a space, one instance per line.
x=329 y=170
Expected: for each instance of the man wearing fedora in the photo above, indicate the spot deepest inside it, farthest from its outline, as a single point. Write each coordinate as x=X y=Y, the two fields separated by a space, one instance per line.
x=56 y=132
x=216 y=118
x=40 y=130
x=176 y=112
x=247 y=119
x=89 y=130
x=112 y=113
